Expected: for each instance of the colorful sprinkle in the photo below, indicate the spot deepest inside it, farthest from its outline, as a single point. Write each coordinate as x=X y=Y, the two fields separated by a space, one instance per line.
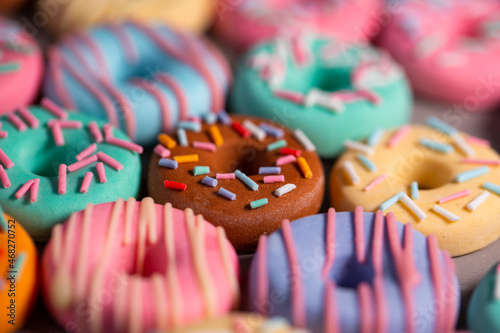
x=125 y=144
x=284 y=189
x=225 y=176
x=209 y=181
x=95 y=132
x=289 y=151
x=215 y=135
x=437 y=146
x=455 y=196
x=3 y=134
x=28 y=117
x=446 y=214
x=22 y=191
x=463 y=145
x=210 y=118
x=375 y=136
x=17 y=122
x=167 y=141
x=168 y=163
x=367 y=163
x=414 y=191
x=289 y=95
x=441 y=126
x=161 y=151
x=492 y=187
x=108 y=131
x=351 y=173
x=174 y=185
x=86 y=182
x=109 y=161
x=4 y=178
x=375 y=182
x=398 y=136
x=274 y=179
x=5 y=160
x=83 y=163
x=405 y=199
x=226 y=194
x=478 y=201
x=258 y=203
x=9 y=67
x=480 y=161
x=471 y=174
x=224 y=118
x=285 y=160
x=273 y=131
x=276 y=145
x=61 y=183
x=192 y=158
x=58 y=135
x=101 y=172
x=66 y=124
x=201 y=170
x=358 y=146
x=53 y=108
x=192 y=126
x=303 y=140
x=245 y=179
x=391 y=201
x=242 y=131
x=477 y=141
x=256 y=131
x=304 y=167
x=208 y=146
x=34 y=190
x=182 y=137
x=269 y=170
x=86 y=152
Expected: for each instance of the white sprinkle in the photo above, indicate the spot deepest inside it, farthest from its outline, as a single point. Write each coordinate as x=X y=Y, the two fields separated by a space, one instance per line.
x=478 y=201
x=361 y=147
x=284 y=189
x=256 y=131
x=303 y=140
x=452 y=59
x=323 y=99
x=413 y=207
x=446 y=214
x=428 y=45
x=351 y=173
x=463 y=145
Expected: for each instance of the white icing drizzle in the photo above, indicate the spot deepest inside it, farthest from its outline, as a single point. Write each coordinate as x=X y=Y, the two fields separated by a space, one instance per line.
x=141 y=240
x=172 y=282
x=160 y=306
x=135 y=311
x=56 y=241
x=231 y=276
x=148 y=213
x=119 y=308
x=129 y=210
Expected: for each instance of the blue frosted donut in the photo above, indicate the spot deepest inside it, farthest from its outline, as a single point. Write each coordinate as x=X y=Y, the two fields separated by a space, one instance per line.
x=143 y=79
x=354 y=272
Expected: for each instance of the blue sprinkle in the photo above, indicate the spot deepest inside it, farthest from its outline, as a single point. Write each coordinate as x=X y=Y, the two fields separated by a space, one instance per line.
x=471 y=174
x=367 y=163
x=441 y=125
x=492 y=187
x=375 y=136
x=273 y=131
x=182 y=137
x=193 y=126
x=168 y=163
x=269 y=170
x=225 y=193
x=210 y=118
x=391 y=201
x=224 y=118
x=438 y=146
x=209 y=181
x=245 y=179
x=414 y=191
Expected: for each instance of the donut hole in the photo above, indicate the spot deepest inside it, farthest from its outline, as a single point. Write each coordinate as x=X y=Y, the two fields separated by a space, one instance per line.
x=245 y=157
x=353 y=273
x=430 y=174
x=45 y=162
x=332 y=79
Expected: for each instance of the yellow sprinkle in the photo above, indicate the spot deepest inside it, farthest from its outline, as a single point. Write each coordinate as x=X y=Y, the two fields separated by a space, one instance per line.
x=167 y=141
x=186 y=158
x=306 y=170
x=215 y=135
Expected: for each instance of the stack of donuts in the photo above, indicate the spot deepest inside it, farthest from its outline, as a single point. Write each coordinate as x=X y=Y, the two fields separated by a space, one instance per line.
x=262 y=166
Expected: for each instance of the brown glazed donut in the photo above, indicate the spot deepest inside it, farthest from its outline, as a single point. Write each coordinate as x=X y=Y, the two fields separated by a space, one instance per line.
x=238 y=151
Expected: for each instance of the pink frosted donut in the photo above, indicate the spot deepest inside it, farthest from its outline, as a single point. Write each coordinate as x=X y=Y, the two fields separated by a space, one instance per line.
x=21 y=66
x=449 y=48
x=246 y=22
x=137 y=267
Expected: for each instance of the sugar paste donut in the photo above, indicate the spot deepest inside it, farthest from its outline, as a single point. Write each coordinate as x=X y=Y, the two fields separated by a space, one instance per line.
x=239 y=177
x=21 y=66
x=354 y=272
x=449 y=49
x=141 y=78
x=74 y=15
x=53 y=163
x=18 y=274
x=136 y=267
x=247 y=22
x=434 y=177
x=330 y=92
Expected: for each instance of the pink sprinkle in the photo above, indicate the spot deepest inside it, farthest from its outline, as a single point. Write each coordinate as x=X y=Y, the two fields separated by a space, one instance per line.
x=124 y=144
x=375 y=182
x=478 y=141
x=28 y=117
x=52 y=107
x=162 y=151
x=370 y=96
x=101 y=172
x=291 y=96
x=68 y=124
x=86 y=152
x=4 y=177
x=5 y=160
x=398 y=136
x=109 y=161
x=455 y=196
x=480 y=161
x=83 y=163
x=34 y=190
x=95 y=131
x=205 y=146
x=22 y=191
x=274 y=179
x=62 y=179
x=299 y=51
x=225 y=176
x=58 y=135
x=108 y=131
x=86 y=182
x=194 y=119
x=285 y=160
x=3 y=134
x=17 y=122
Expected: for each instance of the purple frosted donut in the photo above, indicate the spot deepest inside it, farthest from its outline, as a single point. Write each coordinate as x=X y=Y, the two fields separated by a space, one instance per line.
x=354 y=272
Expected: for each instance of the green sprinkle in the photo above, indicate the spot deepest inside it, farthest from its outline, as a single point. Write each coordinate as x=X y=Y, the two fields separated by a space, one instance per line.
x=258 y=203
x=201 y=170
x=10 y=67
x=276 y=145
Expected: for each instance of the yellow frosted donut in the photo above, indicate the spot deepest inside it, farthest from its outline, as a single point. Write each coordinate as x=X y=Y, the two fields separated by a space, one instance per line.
x=443 y=181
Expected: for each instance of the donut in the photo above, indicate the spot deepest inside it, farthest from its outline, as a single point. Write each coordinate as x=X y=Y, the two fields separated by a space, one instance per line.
x=21 y=66
x=238 y=176
x=70 y=16
x=137 y=267
x=8 y=6
x=354 y=272
x=18 y=269
x=53 y=163
x=330 y=91
x=449 y=49
x=142 y=78
x=244 y=23
x=434 y=177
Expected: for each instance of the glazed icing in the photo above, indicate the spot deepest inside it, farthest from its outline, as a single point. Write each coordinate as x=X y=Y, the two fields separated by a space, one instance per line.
x=159 y=267
x=32 y=157
x=354 y=272
x=141 y=78
x=334 y=88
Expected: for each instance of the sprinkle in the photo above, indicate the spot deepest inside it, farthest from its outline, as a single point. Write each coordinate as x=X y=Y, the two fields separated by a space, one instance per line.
x=205 y=146
x=285 y=160
x=225 y=176
x=284 y=189
x=492 y=187
x=273 y=131
x=257 y=132
x=28 y=117
x=375 y=182
x=241 y=130
x=192 y=126
x=22 y=191
x=61 y=188
x=86 y=152
x=210 y=118
x=414 y=191
x=125 y=144
x=86 y=182
x=58 y=135
x=174 y=185
x=9 y=67
x=95 y=131
x=480 y=161
x=303 y=140
x=224 y=118
x=292 y=96
x=258 y=203
x=446 y=214
x=358 y=146
x=478 y=201
x=161 y=151
x=4 y=178
x=182 y=137
x=17 y=122
x=375 y=136
x=274 y=179
x=108 y=131
x=437 y=146
x=276 y=145
x=34 y=190
x=471 y=174
x=405 y=199
x=391 y=201
x=52 y=107
x=289 y=151
x=168 y=163
x=201 y=170
x=247 y=180
x=167 y=141
x=463 y=145
x=216 y=135
x=83 y=163
x=477 y=141
x=225 y=193
x=5 y=160
x=195 y=119
x=455 y=196
x=351 y=173
x=209 y=181
x=109 y=161
x=3 y=134
x=398 y=136
x=186 y=158
x=304 y=167
x=441 y=126
x=66 y=124
x=367 y=163
x=269 y=170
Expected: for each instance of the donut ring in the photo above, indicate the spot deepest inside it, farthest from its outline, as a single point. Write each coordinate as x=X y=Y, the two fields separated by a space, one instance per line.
x=450 y=170
x=354 y=272
x=449 y=49
x=156 y=76
x=39 y=152
x=329 y=91
x=174 y=266
x=239 y=151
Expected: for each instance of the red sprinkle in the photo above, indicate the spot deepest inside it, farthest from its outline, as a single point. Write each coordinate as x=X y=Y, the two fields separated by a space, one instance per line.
x=289 y=151
x=241 y=130
x=174 y=185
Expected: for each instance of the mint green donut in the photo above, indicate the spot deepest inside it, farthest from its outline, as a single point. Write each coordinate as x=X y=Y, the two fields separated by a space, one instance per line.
x=483 y=313
x=35 y=155
x=328 y=67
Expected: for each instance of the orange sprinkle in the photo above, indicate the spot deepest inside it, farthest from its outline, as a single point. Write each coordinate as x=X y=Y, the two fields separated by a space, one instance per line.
x=304 y=166
x=186 y=158
x=215 y=135
x=167 y=141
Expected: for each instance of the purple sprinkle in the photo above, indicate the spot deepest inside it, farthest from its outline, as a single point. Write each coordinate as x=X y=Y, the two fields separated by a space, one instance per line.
x=209 y=181
x=225 y=193
x=168 y=163
x=224 y=118
x=273 y=131
x=269 y=170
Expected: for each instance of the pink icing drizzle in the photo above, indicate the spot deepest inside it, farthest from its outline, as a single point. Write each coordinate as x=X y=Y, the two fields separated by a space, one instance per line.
x=330 y=243
x=162 y=102
x=437 y=279
x=180 y=95
x=331 y=313
x=359 y=238
x=127 y=43
x=262 y=281
x=365 y=307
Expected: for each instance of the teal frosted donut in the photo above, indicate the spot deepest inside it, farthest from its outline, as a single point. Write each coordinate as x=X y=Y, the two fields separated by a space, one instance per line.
x=483 y=314
x=332 y=92
x=53 y=163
